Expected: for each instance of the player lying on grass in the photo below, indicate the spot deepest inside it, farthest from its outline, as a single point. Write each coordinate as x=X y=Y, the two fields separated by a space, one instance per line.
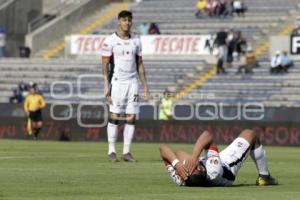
x=216 y=169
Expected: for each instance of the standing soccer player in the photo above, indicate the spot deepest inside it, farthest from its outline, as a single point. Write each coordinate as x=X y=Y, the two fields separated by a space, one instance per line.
x=122 y=63
x=33 y=105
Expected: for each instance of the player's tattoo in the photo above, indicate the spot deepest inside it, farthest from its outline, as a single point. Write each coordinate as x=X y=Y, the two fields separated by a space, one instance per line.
x=142 y=74
x=105 y=71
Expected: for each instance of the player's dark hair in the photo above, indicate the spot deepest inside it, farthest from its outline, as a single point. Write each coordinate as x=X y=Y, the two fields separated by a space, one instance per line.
x=197 y=180
x=125 y=13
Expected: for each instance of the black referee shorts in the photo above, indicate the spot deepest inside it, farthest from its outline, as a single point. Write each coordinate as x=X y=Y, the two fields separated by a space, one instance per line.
x=36 y=116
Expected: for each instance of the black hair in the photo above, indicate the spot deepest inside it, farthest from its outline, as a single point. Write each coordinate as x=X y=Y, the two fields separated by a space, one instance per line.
x=197 y=180
x=125 y=13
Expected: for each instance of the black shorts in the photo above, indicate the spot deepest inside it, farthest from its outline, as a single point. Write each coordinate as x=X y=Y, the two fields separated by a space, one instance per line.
x=36 y=116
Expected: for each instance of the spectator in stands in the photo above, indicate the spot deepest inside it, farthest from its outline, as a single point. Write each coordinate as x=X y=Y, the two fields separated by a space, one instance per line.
x=144 y=28
x=210 y=8
x=276 y=63
x=17 y=97
x=20 y=93
x=239 y=8
x=230 y=8
x=2 y=41
x=24 y=52
x=232 y=42
x=286 y=62
x=223 y=11
x=241 y=43
x=154 y=29
x=220 y=62
x=248 y=61
x=215 y=7
x=201 y=8
x=221 y=43
x=210 y=44
x=166 y=106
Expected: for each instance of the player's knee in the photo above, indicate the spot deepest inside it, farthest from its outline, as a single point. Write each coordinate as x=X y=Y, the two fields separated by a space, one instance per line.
x=249 y=135
x=162 y=147
x=130 y=119
x=34 y=124
x=131 y=122
x=113 y=121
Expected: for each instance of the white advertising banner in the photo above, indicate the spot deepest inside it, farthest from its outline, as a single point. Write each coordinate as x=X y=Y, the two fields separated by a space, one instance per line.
x=176 y=45
x=151 y=44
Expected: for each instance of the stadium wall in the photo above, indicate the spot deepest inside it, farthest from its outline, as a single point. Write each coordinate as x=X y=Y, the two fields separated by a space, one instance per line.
x=14 y=16
x=62 y=25
x=13 y=126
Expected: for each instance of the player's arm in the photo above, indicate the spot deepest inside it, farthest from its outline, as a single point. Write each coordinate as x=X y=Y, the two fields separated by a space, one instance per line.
x=106 y=54
x=169 y=157
x=143 y=79
x=142 y=72
x=105 y=71
x=26 y=105
x=42 y=102
x=203 y=142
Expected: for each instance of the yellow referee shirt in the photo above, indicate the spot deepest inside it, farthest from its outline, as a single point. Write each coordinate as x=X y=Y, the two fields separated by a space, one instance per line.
x=34 y=102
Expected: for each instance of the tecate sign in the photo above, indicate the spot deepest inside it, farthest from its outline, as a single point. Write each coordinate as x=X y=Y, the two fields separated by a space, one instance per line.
x=151 y=45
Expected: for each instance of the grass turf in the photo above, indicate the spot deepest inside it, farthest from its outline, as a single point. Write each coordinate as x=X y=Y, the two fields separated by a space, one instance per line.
x=80 y=170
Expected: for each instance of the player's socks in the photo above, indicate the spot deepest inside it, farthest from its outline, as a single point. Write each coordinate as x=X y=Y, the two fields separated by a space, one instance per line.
x=128 y=135
x=112 y=134
x=260 y=160
x=36 y=132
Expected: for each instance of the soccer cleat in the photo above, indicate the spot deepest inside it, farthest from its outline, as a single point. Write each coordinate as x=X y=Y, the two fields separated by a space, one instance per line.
x=113 y=157
x=263 y=180
x=128 y=157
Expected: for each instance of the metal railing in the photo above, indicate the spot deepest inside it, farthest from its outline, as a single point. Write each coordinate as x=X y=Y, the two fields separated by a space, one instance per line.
x=5 y=3
x=52 y=13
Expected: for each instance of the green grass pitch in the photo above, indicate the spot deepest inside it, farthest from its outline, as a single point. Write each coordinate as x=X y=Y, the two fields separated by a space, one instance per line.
x=79 y=170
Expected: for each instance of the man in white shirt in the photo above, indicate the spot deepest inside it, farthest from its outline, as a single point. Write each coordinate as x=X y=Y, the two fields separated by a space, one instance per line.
x=276 y=63
x=216 y=169
x=122 y=64
x=239 y=7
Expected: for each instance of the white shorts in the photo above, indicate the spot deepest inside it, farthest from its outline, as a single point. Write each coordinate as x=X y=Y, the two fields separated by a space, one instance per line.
x=235 y=154
x=124 y=97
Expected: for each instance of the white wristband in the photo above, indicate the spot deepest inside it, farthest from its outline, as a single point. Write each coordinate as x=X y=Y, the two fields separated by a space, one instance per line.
x=175 y=162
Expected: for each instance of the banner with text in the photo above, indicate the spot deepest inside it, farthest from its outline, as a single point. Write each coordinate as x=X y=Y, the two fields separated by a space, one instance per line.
x=151 y=44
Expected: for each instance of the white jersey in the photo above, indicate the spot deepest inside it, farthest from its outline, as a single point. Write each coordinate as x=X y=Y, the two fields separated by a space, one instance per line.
x=215 y=169
x=223 y=167
x=124 y=55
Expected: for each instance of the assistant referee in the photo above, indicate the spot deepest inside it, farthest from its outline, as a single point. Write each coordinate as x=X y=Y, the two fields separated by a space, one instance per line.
x=33 y=105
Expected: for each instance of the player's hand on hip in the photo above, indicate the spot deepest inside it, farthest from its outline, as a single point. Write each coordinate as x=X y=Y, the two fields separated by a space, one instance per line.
x=181 y=171
x=191 y=164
